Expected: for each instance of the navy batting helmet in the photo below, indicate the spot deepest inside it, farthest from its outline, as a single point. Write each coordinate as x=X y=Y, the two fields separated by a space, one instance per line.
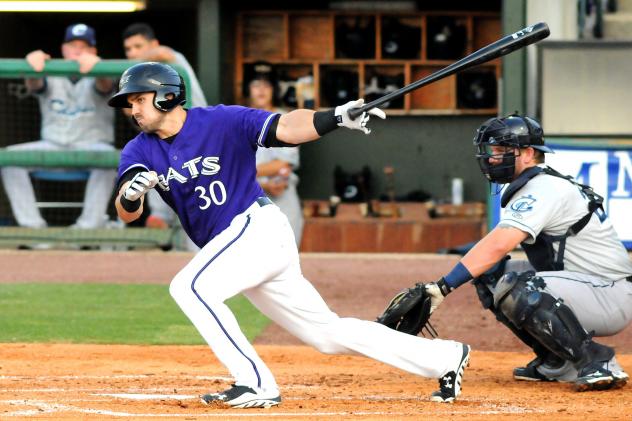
x=159 y=78
x=513 y=131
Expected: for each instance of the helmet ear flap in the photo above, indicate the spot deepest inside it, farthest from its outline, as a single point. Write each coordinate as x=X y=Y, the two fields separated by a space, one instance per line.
x=178 y=92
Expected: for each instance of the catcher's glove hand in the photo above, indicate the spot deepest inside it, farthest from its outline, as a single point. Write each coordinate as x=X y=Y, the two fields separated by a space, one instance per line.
x=410 y=310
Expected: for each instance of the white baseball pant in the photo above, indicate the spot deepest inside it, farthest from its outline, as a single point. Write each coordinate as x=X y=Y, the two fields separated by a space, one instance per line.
x=257 y=255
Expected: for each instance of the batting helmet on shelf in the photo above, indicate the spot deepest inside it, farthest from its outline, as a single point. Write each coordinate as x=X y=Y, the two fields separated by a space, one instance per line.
x=159 y=78
x=513 y=131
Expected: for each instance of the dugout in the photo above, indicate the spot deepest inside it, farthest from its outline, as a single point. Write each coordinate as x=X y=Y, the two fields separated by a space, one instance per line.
x=427 y=149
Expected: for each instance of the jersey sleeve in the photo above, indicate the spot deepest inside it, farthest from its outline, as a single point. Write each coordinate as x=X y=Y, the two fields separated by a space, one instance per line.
x=254 y=124
x=530 y=212
x=131 y=159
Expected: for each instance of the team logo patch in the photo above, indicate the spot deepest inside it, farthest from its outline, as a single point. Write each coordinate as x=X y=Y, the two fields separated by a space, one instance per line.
x=523 y=204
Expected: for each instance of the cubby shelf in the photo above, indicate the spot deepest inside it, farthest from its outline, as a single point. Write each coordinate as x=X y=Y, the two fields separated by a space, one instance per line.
x=367 y=54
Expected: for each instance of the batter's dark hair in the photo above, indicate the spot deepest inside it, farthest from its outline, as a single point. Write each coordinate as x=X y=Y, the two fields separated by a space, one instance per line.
x=139 y=28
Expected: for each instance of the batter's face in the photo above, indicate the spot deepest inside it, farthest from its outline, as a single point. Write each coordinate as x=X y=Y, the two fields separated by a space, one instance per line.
x=149 y=119
x=71 y=50
x=137 y=46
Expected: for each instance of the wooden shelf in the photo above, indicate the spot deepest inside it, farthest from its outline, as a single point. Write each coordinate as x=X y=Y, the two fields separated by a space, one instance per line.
x=413 y=232
x=354 y=54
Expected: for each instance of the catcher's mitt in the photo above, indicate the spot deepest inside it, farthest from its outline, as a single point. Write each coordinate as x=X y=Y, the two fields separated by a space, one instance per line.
x=409 y=312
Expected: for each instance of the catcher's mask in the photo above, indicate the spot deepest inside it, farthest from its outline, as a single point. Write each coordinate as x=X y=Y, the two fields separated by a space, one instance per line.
x=161 y=79
x=513 y=132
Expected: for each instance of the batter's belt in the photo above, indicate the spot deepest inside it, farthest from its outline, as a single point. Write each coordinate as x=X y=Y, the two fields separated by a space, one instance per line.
x=263 y=201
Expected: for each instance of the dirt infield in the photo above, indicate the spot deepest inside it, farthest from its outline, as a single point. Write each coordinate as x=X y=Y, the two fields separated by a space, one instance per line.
x=60 y=381
x=71 y=382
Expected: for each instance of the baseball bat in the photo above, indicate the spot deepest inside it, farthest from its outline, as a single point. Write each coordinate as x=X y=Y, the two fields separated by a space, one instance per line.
x=522 y=38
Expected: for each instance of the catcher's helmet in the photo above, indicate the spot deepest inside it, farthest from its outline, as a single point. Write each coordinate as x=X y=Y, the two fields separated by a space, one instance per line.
x=159 y=78
x=514 y=131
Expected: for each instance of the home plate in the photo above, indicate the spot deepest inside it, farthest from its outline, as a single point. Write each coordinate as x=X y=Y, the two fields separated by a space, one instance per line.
x=146 y=397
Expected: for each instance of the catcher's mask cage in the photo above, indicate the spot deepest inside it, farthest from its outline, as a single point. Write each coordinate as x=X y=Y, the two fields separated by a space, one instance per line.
x=161 y=79
x=511 y=132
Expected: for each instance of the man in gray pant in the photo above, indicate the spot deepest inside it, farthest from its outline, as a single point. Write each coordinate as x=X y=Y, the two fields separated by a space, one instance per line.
x=75 y=116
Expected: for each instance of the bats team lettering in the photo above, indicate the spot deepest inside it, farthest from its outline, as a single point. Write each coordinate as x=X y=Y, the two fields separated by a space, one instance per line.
x=191 y=169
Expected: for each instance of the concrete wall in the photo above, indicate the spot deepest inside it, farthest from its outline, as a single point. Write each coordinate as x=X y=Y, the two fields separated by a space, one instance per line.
x=426 y=152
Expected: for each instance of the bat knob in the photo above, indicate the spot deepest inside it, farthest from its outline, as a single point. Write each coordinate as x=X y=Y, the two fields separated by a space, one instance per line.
x=354 y=113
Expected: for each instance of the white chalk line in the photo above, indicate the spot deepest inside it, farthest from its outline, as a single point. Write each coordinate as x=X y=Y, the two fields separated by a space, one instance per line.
x=147 y=396
x=118 y=376
x=45 y=407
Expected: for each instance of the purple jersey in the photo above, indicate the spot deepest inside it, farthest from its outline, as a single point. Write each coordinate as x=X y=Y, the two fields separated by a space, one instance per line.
x=208 y=173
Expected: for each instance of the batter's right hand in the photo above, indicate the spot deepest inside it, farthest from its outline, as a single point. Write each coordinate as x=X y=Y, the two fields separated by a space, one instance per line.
x=140 y=184
x=360 y=122
x=37 y=59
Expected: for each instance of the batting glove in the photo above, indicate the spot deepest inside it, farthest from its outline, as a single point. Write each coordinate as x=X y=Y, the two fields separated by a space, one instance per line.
x=437 y=292
x=360 y=122
x=140 y=184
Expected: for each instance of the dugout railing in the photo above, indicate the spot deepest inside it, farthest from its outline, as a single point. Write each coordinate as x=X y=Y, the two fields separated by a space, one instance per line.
x=115 y=234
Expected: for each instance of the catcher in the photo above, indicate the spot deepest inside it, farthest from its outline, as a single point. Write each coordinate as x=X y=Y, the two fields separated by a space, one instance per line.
x=576 y=284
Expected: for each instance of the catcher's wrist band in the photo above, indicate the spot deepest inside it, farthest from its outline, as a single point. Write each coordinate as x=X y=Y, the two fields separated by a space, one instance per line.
x=130 y=205
x=457 y=276
x=325 y=121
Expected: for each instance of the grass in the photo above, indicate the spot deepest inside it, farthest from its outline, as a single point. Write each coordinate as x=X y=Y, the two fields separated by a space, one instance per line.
x=104 y=314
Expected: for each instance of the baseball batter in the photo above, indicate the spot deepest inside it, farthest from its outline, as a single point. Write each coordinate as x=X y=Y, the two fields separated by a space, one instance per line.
x=202 y=162
x=577 y=282
x=75 y=116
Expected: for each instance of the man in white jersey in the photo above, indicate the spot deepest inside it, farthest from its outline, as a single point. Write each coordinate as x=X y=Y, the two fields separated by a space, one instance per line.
x=75 y=116
x=577 y=281
x=140 y=43
x=202 y=163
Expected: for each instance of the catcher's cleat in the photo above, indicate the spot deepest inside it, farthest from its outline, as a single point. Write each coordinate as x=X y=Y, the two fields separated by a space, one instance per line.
x=620 y=377
x=531 y=373
x=450 y=383
x=243 y=397
x=594 y=377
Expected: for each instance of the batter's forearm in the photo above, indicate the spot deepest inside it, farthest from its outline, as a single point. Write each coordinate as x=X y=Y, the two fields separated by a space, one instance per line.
x=125 y=215
x=297 y=127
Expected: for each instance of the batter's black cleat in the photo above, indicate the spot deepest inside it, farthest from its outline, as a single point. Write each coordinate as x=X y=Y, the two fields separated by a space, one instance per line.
x=594 y=377
x=243 y=397
x=450 y=383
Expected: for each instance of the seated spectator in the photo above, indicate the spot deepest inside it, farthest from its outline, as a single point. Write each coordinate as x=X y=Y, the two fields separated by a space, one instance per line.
x=275 y=165
x=75 y=116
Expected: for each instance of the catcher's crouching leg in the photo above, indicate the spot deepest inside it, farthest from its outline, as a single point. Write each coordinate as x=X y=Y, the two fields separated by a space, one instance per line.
x=522 y=300
x=484 y=286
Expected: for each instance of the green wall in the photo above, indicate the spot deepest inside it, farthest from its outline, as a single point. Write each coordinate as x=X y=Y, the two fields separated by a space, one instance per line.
x=426 y=152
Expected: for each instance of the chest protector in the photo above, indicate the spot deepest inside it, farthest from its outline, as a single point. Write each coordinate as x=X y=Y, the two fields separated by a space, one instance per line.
x=541 y=254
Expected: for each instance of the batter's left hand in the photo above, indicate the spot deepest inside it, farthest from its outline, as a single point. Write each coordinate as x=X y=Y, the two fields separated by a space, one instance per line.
x=360 y=122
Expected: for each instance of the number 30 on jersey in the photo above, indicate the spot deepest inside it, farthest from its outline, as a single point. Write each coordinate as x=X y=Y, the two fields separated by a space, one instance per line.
x=214 y=195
